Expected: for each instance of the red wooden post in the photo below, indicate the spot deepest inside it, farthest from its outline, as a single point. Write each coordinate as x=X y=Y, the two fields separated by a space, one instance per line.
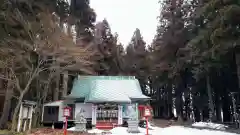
x=146 y=115
x=146 y=125
x=66 y=114
x=65 y=128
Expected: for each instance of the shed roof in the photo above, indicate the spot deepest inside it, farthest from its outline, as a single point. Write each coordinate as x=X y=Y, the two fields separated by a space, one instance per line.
x=54 y=103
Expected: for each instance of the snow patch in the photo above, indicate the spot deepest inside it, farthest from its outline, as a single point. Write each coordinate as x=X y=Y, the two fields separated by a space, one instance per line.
x=174 y=130
x=92 y=131
x=71 y=129
x=209 y=125
x=123 y=131
x=95 y=131
x=119 y=130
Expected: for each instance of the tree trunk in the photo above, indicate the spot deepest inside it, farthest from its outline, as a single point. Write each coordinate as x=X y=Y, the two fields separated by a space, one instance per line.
x=211 y=105
x=201 y=114
x=237 y=59
x=69 y=30
x=7 y=101
x=37 y=116
x=15 y=112
x=7 y=105
x=56 y=91
x=42 y=100
x=220 y=109
x=179 y=107
x=174 y=102
x=234 y=108
x=169 y=100
x=192 y=116
x=65 y=84
x=221 y=114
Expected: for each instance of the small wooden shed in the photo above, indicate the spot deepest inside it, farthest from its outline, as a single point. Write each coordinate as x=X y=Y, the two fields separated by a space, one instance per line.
x=25 y=115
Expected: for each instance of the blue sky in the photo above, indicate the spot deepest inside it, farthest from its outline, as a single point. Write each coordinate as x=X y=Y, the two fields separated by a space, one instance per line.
x=124 y=16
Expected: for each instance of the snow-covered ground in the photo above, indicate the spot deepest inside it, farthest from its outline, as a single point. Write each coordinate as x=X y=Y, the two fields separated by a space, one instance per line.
x=209 y=125
x=173 y=130
x=190 y=131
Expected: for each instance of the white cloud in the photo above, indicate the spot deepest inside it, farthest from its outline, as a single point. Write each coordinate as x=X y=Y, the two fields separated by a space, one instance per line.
x=124 y=16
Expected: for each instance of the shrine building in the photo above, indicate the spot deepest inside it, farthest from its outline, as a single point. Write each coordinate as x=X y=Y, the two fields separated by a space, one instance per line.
x=105 y=99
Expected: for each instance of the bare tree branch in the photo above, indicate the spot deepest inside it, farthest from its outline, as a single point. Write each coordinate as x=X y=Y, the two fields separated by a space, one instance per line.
x=17 y=83
x=5 y=78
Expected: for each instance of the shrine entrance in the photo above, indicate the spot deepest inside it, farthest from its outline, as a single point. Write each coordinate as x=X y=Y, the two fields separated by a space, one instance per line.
x=107 y=116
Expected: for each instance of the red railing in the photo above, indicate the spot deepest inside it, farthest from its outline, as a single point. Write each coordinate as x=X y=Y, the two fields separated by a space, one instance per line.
x=106 y=125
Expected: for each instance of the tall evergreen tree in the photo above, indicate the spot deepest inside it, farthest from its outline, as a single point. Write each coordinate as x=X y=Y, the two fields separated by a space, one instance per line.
x=110 y=61
x=83 y=17
x=172 y=35
x=136 y=59
x=217 y=35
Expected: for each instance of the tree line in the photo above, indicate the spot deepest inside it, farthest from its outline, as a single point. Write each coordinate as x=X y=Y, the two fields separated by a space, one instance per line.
x=191 y=69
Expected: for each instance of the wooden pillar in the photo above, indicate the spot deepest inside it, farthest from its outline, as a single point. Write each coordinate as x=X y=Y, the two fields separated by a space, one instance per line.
x=120 y=113
x=94 y=114
x=26 y=119
x=42 y=112
x=19 y=118
x=25 y=125
x=30 y=121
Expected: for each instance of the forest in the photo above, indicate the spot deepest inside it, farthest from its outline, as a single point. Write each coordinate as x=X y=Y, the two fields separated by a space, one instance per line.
x=191 y=70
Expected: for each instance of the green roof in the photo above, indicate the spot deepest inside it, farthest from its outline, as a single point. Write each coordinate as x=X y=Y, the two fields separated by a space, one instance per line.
x=107 y=89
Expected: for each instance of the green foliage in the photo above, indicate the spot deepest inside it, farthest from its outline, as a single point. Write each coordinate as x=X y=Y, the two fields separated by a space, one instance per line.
x=218 y=32
x=110 y=61
x=83 y=17
x=172 y=35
